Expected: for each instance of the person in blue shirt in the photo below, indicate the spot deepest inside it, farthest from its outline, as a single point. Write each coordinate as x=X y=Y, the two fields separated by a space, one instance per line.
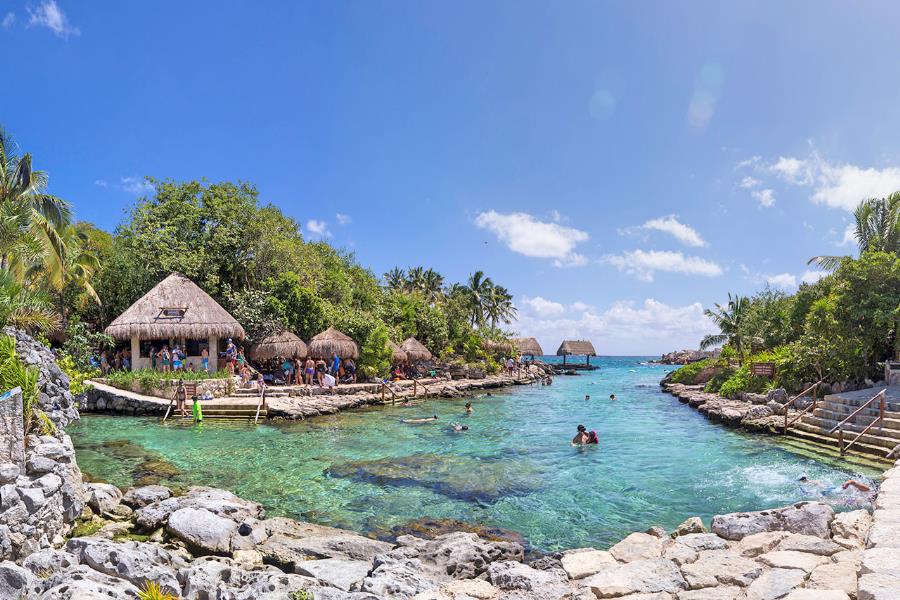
x=336 y=365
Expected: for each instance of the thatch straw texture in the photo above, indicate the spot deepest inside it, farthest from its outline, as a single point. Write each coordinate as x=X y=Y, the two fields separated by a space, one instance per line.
x=415 y=351
x=279 y=345
x=529 y=346
x=576 y=348
x=495 y=346
x=331 y=341
x=202 y=317
x=397 y=353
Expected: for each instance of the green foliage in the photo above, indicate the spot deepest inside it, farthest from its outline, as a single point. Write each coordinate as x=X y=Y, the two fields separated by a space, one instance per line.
x=14 y=373
x=688 y=372
x=148 y=379
x=300 y=595
x=153 y=591
x=81 y=342
x=77 y=375
x=44 y=425
x=296 y=306
x=374 y=354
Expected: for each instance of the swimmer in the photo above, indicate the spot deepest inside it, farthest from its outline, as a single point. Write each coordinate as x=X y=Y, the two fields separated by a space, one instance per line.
x=457 y=427
x=468 y=408
x=612 y=396
x=586 y=397
x=584 y=437
x=426 y=420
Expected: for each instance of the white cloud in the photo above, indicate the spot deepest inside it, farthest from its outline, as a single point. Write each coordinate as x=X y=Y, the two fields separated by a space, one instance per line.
x=579 y=306
x=524 y=234
x=318 y=228
x=644 y=263
x=343 y=219
x=543 y=308
x=101 y=183
x=49 y=14
x=833 y=184
x=136 y=185
x=812 y=276
x=782 y=280
x=749 y=182
x=671 y=225
x=645 y=328
x=703 y=102
x=849 y=237
x=8 y=20
x=766 y=197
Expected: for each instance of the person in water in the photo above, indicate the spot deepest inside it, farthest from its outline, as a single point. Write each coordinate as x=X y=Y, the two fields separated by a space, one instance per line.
x=457 y=427
x=585 y=437
x=468 y=408
x=612 y=396
x=425 y=420
x=586 y=397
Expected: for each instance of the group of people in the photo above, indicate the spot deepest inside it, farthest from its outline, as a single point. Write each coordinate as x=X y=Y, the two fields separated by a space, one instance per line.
x=513 y=364
x=336 y=371
x=119 y=361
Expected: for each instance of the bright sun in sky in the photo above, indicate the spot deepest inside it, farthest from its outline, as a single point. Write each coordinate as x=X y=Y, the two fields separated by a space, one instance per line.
x=618 y=166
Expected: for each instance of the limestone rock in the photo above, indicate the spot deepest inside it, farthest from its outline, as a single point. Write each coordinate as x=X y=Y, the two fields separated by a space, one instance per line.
x=878 y=586
x=132 y=561
x=637 y=546
x=202 y=529
x=84 y=583
x=583 y=563
x=102 y=497
x=775 y=584
x=513 y=576
x=788 y=559
x=714 y=567
x=692 y=525
x=809 y=543
x=702 y=541
x=723 y=592
x=465 y=555
x=639 y=577
x=140 y=497
x=15 y=581
x=837 y=576
x=760 y=543
x=809 y=518
x=804 y=594
x=850 y=529
x=9 y=472
x=49 y=560
x=339 y=573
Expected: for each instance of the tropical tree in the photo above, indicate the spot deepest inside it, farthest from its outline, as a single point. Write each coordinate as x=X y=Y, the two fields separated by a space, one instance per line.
x=729 y=319
x=415 y=278
x=30 y=218
x=499 y=307
x=395 y=279
x=876 y=228
x=25 y=308
x=432 y=285
x=73 y=272
x=478 y=291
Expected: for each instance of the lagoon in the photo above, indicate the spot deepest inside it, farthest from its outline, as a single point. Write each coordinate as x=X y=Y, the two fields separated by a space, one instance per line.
x=658 y=462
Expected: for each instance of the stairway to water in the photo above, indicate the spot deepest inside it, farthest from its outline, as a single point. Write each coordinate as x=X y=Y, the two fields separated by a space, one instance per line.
x=878 y=442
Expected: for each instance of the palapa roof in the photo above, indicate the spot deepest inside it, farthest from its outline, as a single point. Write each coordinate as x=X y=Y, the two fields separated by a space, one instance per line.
x=397 y=353
x=577 y=348
x=529 y=346
x=415 y=351
x=498 y=346
x=175 y=308
x=331 y=341
x=283 y=344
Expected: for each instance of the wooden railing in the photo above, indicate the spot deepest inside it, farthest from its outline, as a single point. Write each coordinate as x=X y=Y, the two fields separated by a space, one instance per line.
x=813 y=388
x=881 y=396
x=384 y=387
x=262 y=403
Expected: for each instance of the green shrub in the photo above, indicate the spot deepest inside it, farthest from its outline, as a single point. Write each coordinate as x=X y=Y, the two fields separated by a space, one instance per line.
x=148 y=379
x=76 y=373
x=721 y=376
x=689 y=372
x=14 y=373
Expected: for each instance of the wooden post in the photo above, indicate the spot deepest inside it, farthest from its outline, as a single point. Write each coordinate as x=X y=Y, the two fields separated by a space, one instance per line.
x=564 y=360
x=213 y=353
x=415 y=388
x=587 y=360
x=841 y=440
x=382 y=393
x=881 y=406
x=135 y=352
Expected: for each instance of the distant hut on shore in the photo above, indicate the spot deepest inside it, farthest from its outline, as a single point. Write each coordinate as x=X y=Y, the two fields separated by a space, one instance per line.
x=283 y=344
x=415 y=351
x=529 y=347
x=330 y=342
x=175 y=312
x=576 y=348
x=499 y=347
x=397 y=354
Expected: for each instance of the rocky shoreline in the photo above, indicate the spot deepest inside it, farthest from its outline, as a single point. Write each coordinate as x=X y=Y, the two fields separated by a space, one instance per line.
x=757 y=412
x=64 y=539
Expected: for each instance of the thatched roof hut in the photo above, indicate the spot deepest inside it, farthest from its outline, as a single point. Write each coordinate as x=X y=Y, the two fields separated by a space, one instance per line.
x=496 y=346
x=576 y=348
x=175 y=308
x=529 y=346
x=331 y=341
x=283 y=344
x=397 y=353
x=415 y=351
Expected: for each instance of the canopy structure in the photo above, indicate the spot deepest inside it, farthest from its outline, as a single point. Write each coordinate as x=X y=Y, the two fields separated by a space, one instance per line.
x=283 y=344
x=331 y=342
x=397 y=353
x=529 y=346
x=415 y=351
x=175 y=310
x=497 y=346
x=576 y=348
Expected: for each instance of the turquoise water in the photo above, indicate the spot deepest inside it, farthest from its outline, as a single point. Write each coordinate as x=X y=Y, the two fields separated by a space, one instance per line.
x=658 y=462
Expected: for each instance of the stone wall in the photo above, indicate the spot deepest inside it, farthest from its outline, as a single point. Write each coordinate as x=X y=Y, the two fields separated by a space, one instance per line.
x=12 y=425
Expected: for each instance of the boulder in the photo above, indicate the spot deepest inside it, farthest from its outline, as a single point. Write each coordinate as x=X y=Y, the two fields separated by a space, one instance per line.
x=776 y=583
x=692 y=525
x=140 y=497
x=9 y=472
x=135 y=562
x=804 y=594
x=838 y=576
x=336 y=572
x=702 y=541
x=639 y=577
x=202 y=530
x=850 y=529
x=84 y=583
x=808 y=518
x=15 y=581
x=463 y=555
x=878 y=586
x=714 y=567
x=809 y=543
x=758 y=412
x=638 y=546
x=513 y=576
x=49 y=560
x=102 y=497
x=722 y=592
x=789 y=559
x=778 y=395
x=585 y=562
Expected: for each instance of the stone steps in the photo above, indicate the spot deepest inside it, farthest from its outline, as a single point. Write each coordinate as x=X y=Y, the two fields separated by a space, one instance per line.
x=877 y=446
x=882 y=429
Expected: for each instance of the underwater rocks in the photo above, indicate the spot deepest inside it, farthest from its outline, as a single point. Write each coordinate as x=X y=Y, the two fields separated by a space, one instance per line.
x=461 y=477
x=432 y=528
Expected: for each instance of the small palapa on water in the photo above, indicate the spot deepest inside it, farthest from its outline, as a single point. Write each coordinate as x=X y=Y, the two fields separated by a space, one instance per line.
x=330 y=342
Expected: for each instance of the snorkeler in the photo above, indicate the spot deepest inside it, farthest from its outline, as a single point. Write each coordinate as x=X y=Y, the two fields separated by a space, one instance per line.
x=413 y=421
x=586 y=397
x=468 y=408
x=457 y=427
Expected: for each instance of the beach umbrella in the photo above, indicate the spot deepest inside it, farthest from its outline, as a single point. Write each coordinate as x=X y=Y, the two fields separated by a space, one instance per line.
x=331 y=341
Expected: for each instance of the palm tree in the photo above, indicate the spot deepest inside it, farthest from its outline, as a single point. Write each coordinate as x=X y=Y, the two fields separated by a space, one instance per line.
x=415 y=277
x=729 y=319
x=478 y=290
x=499 y=306
x=76 y=268
x=395 y=279
x=30 y=219
x=877 y=229
x=24 y=308
x=432 y=284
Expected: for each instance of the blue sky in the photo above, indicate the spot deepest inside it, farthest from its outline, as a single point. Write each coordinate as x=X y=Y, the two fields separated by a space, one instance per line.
x=618 y=166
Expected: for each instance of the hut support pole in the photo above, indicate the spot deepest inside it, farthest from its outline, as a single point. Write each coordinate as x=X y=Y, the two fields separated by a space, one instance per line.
x=587 y=360
x=213 y=353
x=564 y=360
x=135 y=352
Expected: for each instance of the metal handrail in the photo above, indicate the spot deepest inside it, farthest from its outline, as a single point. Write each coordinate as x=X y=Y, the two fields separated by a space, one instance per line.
x=861 y=433
x=814 y=387
x=860 y=409
x=262 y=402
